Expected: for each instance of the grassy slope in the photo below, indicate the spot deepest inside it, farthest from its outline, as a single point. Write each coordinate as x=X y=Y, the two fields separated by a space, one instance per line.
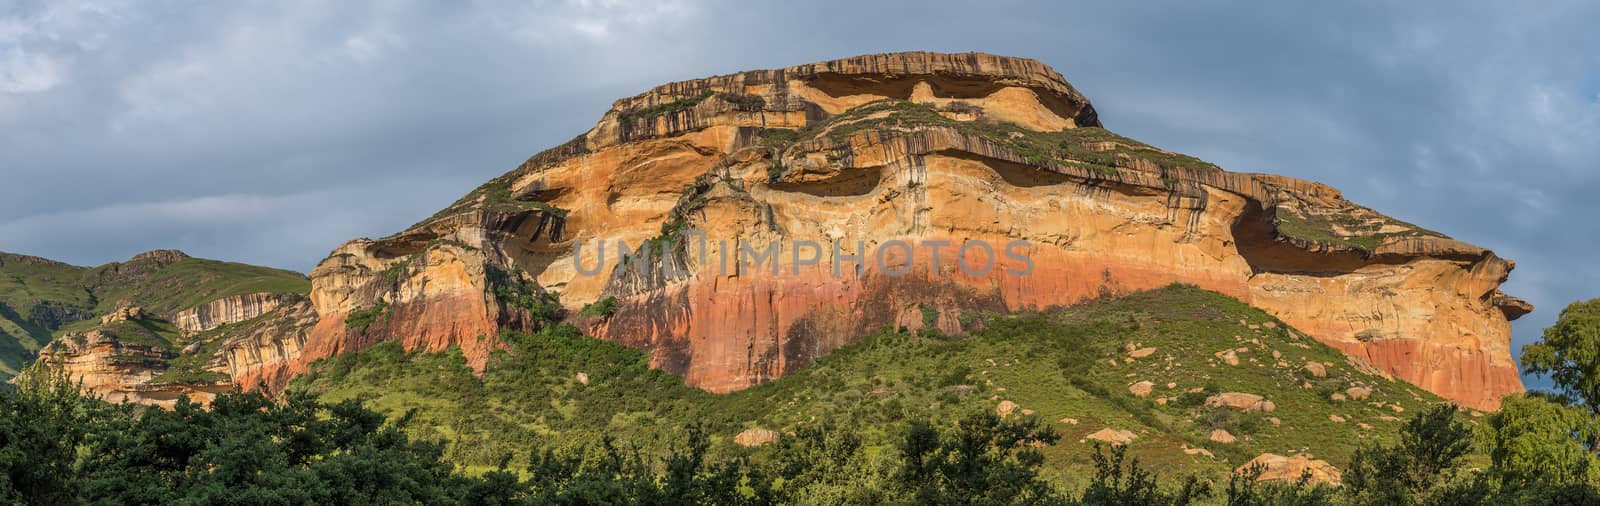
x=27 y=282
x=201 y=281
x=1057 y=364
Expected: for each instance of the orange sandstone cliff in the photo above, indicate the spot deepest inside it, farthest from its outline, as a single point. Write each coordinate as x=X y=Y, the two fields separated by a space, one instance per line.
x=927 y=148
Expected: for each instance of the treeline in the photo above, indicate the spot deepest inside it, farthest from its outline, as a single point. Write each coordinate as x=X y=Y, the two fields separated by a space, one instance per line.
x=58 y=447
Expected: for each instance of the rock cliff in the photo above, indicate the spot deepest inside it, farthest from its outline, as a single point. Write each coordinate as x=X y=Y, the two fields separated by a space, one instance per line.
x=123 y=360
x=227 y=310
x=159 y=325
x=927 y=148
x=991 y=163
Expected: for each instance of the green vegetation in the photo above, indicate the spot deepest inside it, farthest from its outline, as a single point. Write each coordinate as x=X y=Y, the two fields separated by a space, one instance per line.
x=692 y=199
x=1567 y=354
x=42 y=299
x=62 y=448
x=627 y=434
x=496 y=196
x=201 y=281
x=496 y=193
x=187 y=375
x=190 y=367
x=1535 y=440
x=1093 y=148
x=392 y=272
x=144 y=332
x=1055 y=364
x=655 y=111
x=362 y=318
x=1363 y=234
x=602 y=308
x=929 y=315
x=777 y=137
x=515 y=290
x=744 y=102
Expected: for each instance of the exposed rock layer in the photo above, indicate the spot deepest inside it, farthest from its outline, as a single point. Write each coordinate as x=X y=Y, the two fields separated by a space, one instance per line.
x=227 y=310
x=119 y=371
x=972 y=148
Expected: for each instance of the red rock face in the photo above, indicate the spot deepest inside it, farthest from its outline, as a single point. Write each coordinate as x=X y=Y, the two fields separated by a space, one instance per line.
x=1107 y=217
x=724 y=333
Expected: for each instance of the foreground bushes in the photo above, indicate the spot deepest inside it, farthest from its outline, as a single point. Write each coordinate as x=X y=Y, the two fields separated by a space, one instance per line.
x=58 y=447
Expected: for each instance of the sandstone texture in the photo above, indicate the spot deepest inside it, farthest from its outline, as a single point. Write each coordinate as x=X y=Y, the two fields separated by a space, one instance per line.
x=1113 y=436
x=1241 y=401
x=1279 y=467
x=120 y=368
x=920 y=147
x=756 y=437
x=168 y=324
x=227 y=310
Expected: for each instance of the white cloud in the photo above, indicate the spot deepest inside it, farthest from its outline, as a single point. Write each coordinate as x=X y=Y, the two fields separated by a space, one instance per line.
x=22 y=72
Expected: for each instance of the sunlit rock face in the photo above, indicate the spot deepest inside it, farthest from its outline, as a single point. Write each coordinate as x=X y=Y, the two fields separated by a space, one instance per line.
x=939 y=151
x=227 y=310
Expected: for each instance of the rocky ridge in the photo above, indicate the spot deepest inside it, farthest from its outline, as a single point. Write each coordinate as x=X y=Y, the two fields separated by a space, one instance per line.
x=917 y=147
x=147 y=330
x=906 y=146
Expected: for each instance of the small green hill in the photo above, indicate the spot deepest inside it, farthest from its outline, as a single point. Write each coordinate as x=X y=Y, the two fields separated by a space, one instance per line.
x=1063 y=366
x=41 y=299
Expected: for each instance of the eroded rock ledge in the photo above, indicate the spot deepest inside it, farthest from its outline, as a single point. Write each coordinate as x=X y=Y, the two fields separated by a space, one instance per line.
x=910 y=146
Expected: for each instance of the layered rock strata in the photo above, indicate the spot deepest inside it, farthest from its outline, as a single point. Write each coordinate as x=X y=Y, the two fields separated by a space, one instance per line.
x=941 y=151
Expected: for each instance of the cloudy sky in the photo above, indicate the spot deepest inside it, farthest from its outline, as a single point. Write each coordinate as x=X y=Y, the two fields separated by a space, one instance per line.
x=270 y=132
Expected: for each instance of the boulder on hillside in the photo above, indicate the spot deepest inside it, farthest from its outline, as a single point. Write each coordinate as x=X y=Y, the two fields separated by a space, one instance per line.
x=1141 y=389
x=124 y=313
x=1006 y=408
x=756 y=437
x=1113 y=436
x=1229 y=357
x=1241 y=401
x=1222 y=436
x=1316 y=369
x=1278 y=467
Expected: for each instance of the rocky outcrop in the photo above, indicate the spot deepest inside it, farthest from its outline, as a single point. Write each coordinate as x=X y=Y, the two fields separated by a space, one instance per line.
x=256 y=354
x=123 y=314
x=120 y=368
x=227 y=310
x=943 y=149
x=1113 y=436
x=1241 y=401
x=756 y=437
x=1279 y=467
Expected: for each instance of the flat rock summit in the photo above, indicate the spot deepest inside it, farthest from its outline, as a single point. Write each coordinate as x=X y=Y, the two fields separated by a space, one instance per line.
x=936 y=151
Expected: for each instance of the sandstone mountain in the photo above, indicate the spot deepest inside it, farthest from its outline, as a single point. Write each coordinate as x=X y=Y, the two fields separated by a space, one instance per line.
x=914 y=147
x=906 y=146
x=141 y=330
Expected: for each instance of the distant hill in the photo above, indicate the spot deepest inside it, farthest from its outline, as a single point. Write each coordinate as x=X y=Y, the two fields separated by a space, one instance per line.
x=42 y=299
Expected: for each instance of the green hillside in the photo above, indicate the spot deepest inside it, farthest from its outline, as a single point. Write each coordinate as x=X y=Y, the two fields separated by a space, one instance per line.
x=40 y=299
x=1060 y=365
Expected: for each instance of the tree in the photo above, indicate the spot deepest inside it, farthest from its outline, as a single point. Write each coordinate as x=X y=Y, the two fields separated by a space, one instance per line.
x=1536 y=442
x=1245 y=489
x=43 y=420
x=984 y=460
x=1420 y=469
x=827 y=464
x=1118 y=485
x=1570 y=355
